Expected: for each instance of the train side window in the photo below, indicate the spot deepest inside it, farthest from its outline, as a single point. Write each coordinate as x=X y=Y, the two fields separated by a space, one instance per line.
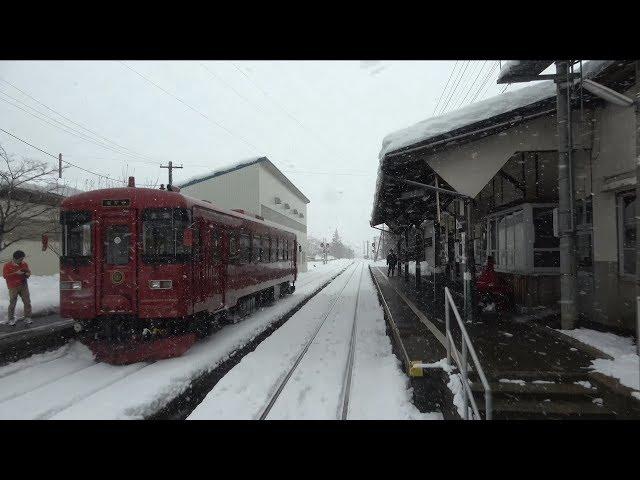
x=265 y=249
x=245 y=248
x=286 y=249
x=272 y=247
x=216 y=246
x=234 y=253
x=256 y=243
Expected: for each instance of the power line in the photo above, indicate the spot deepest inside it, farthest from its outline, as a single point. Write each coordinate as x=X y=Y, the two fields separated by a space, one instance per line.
x=445 y=86
x=209 y=119
x=472 y=85
x=65 y=128
x=33 y=146
x=285 y=111
x=455 y=87
x=484 y=82
x=72 y=121
x=56 y=157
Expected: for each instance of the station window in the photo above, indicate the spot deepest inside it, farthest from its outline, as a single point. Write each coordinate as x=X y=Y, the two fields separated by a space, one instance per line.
x=627 y=233
x=522 y=239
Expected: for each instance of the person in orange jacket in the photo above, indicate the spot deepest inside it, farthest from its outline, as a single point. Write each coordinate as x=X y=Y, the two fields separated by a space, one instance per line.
x=16 y=273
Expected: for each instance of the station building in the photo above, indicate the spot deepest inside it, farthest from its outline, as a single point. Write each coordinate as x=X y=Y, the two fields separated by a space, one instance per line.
x=259 y=187
x=502 y=153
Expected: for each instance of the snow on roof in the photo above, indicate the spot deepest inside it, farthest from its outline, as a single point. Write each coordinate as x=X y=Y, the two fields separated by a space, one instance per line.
x=221 y=171
x=477 y=112
x=242 y=164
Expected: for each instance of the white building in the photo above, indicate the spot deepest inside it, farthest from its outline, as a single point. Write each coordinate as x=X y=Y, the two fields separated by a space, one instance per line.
x=259 y=187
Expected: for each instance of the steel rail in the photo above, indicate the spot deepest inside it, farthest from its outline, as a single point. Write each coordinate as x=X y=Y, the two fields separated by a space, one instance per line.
x=346 y=383
x=284 y=382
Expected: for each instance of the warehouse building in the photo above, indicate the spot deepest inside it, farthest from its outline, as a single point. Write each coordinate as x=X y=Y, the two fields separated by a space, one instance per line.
x=259 y=187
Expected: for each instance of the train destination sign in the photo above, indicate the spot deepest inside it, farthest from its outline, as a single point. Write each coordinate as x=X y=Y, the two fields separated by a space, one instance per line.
x=116 y=203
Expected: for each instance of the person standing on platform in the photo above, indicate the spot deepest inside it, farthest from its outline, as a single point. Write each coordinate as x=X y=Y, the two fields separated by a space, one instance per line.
x=16 y=273
x=392 y=259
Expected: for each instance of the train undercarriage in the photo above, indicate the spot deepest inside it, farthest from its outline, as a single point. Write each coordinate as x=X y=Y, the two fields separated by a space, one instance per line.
x=125 y=339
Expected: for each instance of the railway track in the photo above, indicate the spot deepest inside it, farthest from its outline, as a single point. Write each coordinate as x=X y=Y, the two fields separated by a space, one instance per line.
x=325 y=332
x=67 y=382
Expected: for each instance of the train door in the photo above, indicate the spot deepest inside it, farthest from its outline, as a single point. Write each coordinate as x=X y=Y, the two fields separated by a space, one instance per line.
x=198 y=267
x=117 y=267
x=216 y=269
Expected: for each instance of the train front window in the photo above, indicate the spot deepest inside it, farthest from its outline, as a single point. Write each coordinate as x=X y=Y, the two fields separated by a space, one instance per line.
x=163 y=235
x=76 y=234
x=116 y=244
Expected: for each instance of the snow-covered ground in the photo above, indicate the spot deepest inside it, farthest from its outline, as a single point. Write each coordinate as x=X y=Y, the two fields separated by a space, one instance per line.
x=67 y=383
x=625 y=365
x=45 y=296
x=379 y=388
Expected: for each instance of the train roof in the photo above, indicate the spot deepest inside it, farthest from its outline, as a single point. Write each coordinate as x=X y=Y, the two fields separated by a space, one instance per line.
x=153 y=197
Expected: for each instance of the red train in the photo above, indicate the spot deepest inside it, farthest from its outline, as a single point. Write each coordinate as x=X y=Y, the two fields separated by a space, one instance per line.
x=144 y=272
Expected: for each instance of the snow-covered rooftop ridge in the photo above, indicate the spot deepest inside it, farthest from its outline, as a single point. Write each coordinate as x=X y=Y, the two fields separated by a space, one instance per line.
x=219 y=171
x=58 y=188
x=476 y=112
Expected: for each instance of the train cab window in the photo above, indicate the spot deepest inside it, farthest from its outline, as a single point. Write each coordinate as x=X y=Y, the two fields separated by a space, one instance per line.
x=117 y=240
x=163 y=235
x=76 y=235
x=286 y=249
x=245 y=248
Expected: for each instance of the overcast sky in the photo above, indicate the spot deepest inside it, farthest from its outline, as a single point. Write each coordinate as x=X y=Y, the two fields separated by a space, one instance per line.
x=322 y=123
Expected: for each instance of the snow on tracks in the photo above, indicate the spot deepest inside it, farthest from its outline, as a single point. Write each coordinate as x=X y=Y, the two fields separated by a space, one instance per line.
x=69 y=384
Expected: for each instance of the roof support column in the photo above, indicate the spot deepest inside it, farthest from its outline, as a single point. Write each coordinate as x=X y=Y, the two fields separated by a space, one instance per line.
x=637 y=108
x=568 y=297
x=406 y=254
x=469 y=264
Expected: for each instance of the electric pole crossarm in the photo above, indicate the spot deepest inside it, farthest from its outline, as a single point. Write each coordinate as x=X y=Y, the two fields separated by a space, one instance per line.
x=170 y=167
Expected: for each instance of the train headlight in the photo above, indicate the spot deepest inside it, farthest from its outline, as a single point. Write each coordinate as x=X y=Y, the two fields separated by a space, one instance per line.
x=70 y=285
x=160 y=284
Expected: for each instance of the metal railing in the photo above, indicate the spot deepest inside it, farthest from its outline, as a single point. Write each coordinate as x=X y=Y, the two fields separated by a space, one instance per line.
x=463 y=363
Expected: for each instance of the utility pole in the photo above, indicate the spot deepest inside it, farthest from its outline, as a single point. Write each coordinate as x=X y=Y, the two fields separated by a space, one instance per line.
x=568 y=273
x=59 y=165
x=170 y=167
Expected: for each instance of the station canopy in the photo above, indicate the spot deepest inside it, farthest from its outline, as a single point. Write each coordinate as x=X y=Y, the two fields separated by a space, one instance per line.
x=410 y=153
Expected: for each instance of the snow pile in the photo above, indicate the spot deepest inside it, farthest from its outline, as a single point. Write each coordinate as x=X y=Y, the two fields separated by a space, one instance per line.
x=510 y=380
x=455 y=385
x=625 y=364
x=477 y=112
x=45 y=297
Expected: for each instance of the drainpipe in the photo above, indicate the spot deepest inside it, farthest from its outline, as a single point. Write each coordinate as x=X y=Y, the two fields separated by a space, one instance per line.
x=565 y=190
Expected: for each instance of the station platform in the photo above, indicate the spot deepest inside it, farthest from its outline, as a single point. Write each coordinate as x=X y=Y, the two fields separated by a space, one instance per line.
x=532 y=370
x=45 y=333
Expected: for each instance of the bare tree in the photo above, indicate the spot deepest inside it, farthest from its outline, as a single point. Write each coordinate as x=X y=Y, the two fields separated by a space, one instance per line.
x=29 y=198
